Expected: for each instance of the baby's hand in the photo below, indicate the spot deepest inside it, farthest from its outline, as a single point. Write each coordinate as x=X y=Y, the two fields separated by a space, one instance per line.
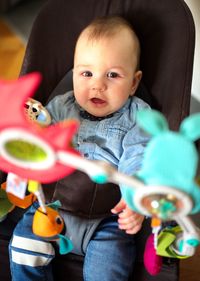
x=129 y=221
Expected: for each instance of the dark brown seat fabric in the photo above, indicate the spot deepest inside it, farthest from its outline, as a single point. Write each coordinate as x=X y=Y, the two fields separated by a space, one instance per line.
x=166 y=32
x=167 y=36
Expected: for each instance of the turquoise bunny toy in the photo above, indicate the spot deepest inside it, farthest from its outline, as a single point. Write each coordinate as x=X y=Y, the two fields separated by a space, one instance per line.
x=170 y=160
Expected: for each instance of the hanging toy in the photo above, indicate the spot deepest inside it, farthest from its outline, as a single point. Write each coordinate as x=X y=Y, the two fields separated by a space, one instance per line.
x=26 y=148
x=152 y=261
x=16 y=201
x=49 y=224
x=13 y=194
x=168 y=171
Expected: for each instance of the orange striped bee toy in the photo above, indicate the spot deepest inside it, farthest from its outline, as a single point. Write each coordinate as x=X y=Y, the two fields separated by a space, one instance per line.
x=49 y=225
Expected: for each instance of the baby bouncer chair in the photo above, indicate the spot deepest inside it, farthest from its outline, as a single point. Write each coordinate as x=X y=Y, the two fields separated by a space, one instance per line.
x=166 y=32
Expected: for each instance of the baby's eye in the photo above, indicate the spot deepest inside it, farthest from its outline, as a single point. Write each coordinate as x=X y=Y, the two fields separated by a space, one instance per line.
x=112 y=75
x=87 y=73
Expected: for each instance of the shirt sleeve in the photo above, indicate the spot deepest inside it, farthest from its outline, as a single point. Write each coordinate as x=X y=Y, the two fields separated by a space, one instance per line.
x=134 y=142
x=133 y=146
x=59 y=106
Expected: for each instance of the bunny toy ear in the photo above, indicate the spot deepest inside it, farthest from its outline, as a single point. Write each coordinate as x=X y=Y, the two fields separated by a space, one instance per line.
x=190 y=127
x=152 y=121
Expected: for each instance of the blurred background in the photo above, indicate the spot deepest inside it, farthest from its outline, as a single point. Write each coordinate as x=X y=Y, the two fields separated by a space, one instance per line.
x=16 y=19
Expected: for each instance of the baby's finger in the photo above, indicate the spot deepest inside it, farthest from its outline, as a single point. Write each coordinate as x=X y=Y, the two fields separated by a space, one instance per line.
x=126 y=217
x=127 y=220
x=131 y=227
x=126 y=213
x=134 y=230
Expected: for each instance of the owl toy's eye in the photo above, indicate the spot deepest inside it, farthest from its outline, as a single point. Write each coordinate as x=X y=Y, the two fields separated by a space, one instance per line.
x=58 y=220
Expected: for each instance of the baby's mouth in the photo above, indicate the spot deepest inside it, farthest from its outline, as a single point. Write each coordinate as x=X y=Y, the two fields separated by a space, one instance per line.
x=97 y=101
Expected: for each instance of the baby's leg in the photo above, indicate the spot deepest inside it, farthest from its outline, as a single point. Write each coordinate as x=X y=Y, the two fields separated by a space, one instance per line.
x=110 y=254
x=30 y=256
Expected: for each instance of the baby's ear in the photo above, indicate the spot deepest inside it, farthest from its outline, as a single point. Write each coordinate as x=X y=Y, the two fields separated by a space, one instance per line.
x=136 y=81
x=190 y=127
x=152 y=121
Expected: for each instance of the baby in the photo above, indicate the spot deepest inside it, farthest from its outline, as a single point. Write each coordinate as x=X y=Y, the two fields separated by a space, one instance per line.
x=106 y=76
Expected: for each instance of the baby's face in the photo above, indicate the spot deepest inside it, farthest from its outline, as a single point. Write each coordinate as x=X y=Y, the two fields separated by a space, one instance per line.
x=104 y=73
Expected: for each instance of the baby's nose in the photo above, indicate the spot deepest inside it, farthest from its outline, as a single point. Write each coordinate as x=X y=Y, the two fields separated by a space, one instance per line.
x=99 y=85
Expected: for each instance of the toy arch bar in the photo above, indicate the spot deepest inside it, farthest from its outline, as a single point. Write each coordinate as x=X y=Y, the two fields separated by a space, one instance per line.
x=22 y=149
x=46 y=157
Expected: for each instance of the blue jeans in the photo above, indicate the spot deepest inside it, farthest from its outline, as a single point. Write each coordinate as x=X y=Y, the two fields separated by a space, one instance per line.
x=109 y=256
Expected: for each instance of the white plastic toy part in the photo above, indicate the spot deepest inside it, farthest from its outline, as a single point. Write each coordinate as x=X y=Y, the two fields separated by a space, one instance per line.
x=147 y=201
x=189 y=239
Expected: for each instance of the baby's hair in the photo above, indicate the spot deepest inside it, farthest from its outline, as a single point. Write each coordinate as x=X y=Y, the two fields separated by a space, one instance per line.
x=108 y=26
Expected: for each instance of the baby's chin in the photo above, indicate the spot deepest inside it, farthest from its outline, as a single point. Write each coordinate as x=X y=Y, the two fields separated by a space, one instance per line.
x=109 y=114
x=99 y=113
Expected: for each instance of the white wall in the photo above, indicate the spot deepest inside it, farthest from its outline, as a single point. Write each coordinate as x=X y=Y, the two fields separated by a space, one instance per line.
x=194 y=6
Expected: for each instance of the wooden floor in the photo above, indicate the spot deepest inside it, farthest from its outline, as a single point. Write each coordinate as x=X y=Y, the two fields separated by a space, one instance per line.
x=190 y=268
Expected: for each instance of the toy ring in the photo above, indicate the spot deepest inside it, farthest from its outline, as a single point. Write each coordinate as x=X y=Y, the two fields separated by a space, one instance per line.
x=163 y=204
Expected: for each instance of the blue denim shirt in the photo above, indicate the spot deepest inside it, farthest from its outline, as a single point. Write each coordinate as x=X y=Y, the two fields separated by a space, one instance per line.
x=117 y=140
